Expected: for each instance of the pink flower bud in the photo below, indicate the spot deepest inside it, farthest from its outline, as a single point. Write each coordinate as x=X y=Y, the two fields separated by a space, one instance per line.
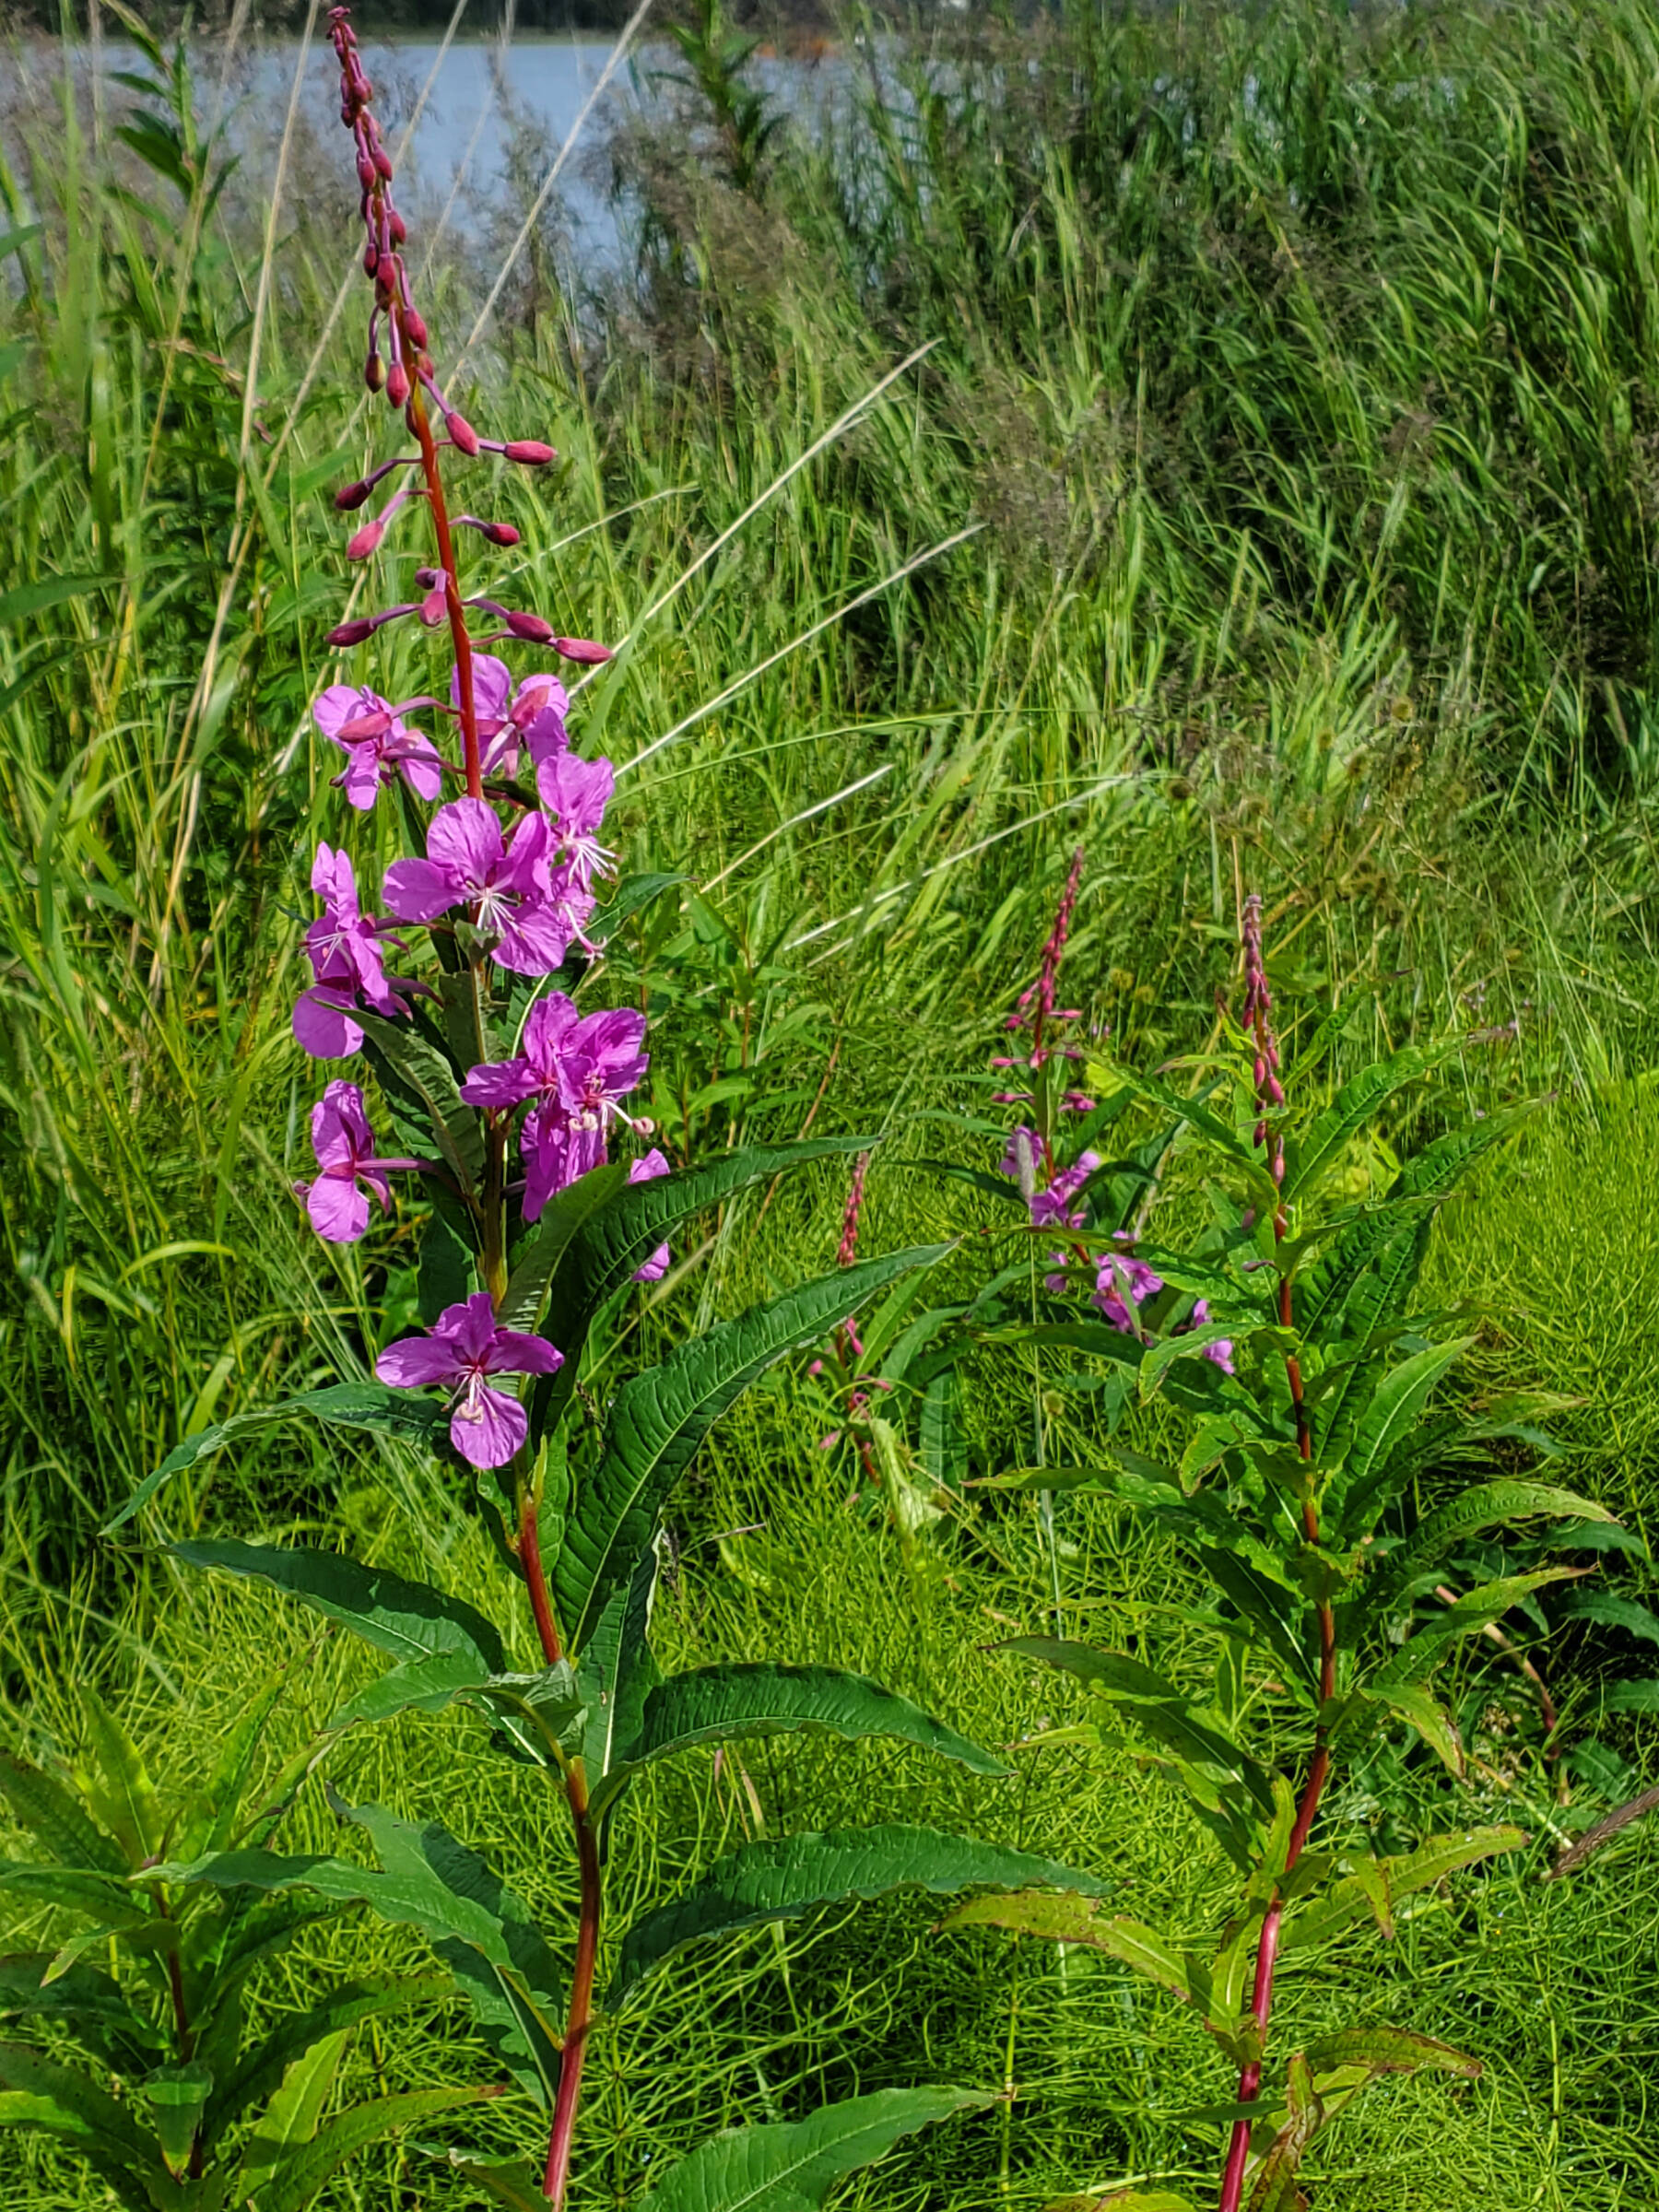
x=397 y=384
x=374 y=372
x=365 y=541
x=370 y=258
x=349 y=633
x=415 y=329
x=434 y=607
x=365 y=172
x=382 y=159
x=465 y=436
x=530 y=627
x=529 y=452
x=498 y=533
x=350 y=496
x=396 y=227
x=585 y=649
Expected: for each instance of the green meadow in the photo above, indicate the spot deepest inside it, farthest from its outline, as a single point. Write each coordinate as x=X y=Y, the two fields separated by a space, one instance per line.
x=1223 y=440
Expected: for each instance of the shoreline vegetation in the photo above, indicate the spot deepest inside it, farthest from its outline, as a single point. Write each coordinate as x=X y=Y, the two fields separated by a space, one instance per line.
x=1223 y=441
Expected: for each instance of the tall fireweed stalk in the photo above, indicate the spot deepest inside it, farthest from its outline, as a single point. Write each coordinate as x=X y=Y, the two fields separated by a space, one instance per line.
x=506 y=1099
x=1327 y=1471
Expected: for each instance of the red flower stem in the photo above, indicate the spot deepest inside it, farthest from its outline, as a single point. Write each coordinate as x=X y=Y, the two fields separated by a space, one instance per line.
x=530 y=1559
x=582 y=1990
x=459 y=634
x=1319 y=1767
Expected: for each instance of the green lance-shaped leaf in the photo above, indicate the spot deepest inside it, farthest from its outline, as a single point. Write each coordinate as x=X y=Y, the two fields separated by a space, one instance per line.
x=1065 y=1919
x=1435 y=1859
x=119 y=1793
x=100 y=1895
x=790 y=2167
x=782 y=1879
x=1108 y=1674
x=57 y=1820
x=415 y=1073
x=566 y=1212
x=218 y=1809
x=83 y=1996
x=342 y=1404
x=293 y=2182
x=1423 y=1652
x=604 y=1254
x=1388 y=2051
x=617 y=1671
x=36 y=2091
x=426 y=1880
x=713 y=1704
x=516 y=2183
x=261 y=2071
x=1426 y=1714
x=1395 y=1405
x=1321 y=1149
x=1482 y=1505
x=658 y=1419
x=178 y=2096
x=409 y=1620
x=295 y=2111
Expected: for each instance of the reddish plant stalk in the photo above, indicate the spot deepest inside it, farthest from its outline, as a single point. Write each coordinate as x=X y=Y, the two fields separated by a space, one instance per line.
x=580 y=2019
x=460 y=637
x=530 y=1559
x=1258 y=1006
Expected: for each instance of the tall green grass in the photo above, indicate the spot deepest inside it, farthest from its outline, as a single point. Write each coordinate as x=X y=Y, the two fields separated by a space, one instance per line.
x=1267 y=498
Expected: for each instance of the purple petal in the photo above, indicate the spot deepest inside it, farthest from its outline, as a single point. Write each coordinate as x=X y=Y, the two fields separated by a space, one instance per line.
x=340 y=1131
x=534 y=942
x=361 y=777
x=323 y=1026
x=655 y=1267
x=466 y=838
x=576 y=792
x=413 y=1361
x=342 y=704
x=549 y=1027
x=416 y=891
x=647 y=1169
x=488 y=1427
x=545 y=1144
x=334 y=882
x=515 y=1353
x=501 y=1083
x=524 y=869
x=468 y=1327
x=417 y=763
x=338 y=1210
x=492 y=680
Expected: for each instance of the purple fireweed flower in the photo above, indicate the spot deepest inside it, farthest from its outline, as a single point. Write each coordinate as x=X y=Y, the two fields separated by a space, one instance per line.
x=344 y=1145
x=486 y=1426
x=378 y=744
x=1053 y=1208
x=575 y=1069
x=575 y=794
x=345 y=954
x=470 y=864
x=647 y=1170
x=1221 y=1351
x=532 y=715
x=1122 y=1283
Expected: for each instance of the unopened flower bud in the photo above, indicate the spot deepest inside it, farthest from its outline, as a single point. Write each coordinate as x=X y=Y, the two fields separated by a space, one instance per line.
x=366 y=540
x=1261 y=1071
x=397 y=384
x=349 y=633
x=529 y=452
x=530 y=627
x=465 y=436
x=396 y=227
x=585 y=649
x=370 y=260
x=1276 y=1091
x=498 y=533
x=415 y=329
x=374 y=372
x=383 y=161
x=434 y=607
x=365 y=169
x=351 y=496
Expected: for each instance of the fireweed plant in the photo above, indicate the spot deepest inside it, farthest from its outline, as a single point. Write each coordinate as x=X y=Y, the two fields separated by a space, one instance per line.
x=1314 y=1496
x=506 y=1099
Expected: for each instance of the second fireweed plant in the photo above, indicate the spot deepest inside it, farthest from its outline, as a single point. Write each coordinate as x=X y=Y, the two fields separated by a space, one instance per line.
x=508 y=1102
x=1322 y=1480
